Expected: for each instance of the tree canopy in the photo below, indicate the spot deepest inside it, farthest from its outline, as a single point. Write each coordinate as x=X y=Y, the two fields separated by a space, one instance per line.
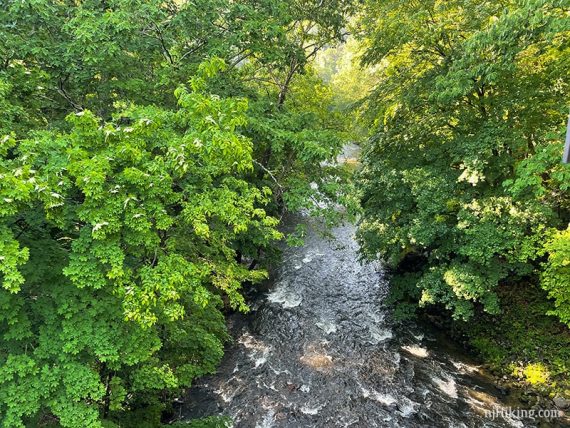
x=147 y=152
x=462 y=179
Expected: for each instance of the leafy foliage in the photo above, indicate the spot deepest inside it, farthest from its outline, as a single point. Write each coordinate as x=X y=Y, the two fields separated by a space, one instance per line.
x=101 y=56
x=462 y=180
x=133 y=209
x=118 y=243
x=556 y=275
x=522 y=342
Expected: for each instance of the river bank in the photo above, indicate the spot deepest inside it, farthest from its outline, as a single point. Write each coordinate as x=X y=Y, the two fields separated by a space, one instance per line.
x=526 y=351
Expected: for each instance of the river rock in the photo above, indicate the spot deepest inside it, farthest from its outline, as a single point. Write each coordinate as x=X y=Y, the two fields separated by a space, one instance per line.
x=561 y=402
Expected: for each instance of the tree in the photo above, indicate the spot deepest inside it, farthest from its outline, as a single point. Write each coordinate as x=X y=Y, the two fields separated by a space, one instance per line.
x=100 y=55
x=118 y=243
x=466 y=117
x=134 y=210
x=556 y=276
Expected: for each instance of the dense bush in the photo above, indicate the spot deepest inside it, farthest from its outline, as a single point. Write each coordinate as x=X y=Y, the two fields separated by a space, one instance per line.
x=556 y=275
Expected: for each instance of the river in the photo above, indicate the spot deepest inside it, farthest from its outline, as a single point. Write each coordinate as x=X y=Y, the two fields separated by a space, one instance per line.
x=319 y=349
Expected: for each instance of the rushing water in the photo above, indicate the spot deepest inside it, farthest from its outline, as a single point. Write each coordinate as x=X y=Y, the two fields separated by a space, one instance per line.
x=319 y=350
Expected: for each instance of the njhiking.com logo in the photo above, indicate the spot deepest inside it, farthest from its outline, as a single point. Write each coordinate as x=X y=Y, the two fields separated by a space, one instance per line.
x=510 y=413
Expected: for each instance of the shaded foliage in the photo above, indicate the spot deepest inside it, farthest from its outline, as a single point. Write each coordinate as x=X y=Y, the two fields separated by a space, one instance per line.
x=463 y=170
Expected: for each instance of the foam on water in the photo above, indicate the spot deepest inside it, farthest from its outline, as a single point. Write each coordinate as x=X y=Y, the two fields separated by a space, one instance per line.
x=327 y=326
x=308 y=410
x=448 y=386
x=407 y=407
x=227 y=392
x=386 y=399
x=258 y=351
x=464 y=368
x=285 y=295
x=379 y=334
x=267 y=421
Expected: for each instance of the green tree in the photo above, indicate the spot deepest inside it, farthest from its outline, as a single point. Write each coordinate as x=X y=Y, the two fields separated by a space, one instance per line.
x=101 y=55
x=556 y=276
x=462 y=178
x=118 y=242
x=133 y=210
